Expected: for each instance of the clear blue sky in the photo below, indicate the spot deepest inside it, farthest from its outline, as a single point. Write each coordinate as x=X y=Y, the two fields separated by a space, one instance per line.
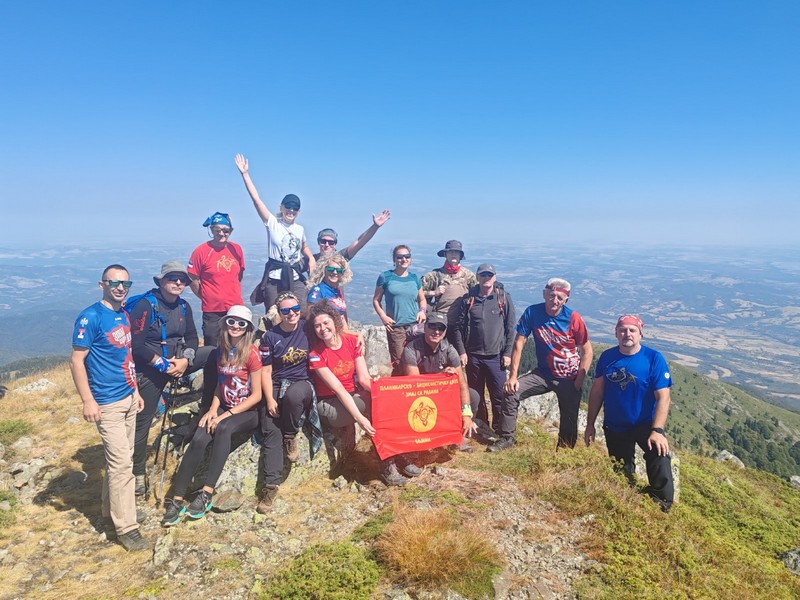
x=622 y=121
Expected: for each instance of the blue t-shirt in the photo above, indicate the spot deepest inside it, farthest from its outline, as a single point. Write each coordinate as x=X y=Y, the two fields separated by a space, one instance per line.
x=334 y=295
x=109 y=364
x=286 y=352
x=556 y=338
x=629 y=386
x=400 y=294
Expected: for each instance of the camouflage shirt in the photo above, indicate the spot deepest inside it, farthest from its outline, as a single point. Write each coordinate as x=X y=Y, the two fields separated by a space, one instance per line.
x=457 y=286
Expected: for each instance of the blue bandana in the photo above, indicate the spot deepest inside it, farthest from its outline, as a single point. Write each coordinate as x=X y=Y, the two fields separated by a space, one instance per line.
x=218 y=218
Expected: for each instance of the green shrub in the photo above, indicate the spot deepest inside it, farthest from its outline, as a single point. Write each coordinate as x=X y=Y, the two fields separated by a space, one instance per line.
x=325 y=572
x=11 y=430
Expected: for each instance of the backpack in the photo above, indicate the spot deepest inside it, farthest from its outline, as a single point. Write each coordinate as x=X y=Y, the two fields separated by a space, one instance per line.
x=131 y=302
x=501 y=299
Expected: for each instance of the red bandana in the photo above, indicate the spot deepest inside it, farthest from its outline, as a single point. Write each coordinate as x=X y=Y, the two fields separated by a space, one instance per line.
x=452 y=269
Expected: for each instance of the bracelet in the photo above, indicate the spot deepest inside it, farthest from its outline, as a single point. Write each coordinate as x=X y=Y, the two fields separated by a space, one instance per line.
x=466 y=410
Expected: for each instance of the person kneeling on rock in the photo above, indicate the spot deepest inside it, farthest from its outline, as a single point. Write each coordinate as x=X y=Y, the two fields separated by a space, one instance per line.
x=233 y=410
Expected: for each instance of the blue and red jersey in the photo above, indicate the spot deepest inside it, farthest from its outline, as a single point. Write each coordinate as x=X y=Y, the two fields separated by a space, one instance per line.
x=109 y=364
x=557 y=340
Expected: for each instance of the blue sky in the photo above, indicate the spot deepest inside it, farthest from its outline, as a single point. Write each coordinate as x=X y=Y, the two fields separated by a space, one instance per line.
x=614 y=122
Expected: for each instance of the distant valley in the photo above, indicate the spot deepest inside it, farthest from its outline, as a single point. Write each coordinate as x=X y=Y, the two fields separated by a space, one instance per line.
x=731 y=314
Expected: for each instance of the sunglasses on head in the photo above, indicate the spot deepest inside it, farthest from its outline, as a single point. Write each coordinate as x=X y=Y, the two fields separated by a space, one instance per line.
x=338 y=270
x=233 y=322
x=177 y=279
x=402 y=257
x=115 y=283
x=285 y=311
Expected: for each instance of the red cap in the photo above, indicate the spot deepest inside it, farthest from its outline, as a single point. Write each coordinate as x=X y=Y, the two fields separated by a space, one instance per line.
x=631 y=320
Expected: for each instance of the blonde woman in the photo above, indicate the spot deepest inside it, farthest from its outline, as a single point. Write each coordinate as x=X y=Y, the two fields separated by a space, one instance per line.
x=326 y=282
x=233 y=410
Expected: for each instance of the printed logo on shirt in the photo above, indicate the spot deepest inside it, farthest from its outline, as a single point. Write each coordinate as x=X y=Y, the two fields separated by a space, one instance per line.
x=294 y=356
x=226 y=263
x=81 y=331
x=84 y=322
x=621 y=377
x=666 y=375
x=119 y=337
x=313 y=358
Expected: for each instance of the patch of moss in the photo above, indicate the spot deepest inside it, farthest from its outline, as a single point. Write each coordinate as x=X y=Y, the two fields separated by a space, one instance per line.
x=11 y=430
x=325 y=572
x=373 y=527
x=7 y=517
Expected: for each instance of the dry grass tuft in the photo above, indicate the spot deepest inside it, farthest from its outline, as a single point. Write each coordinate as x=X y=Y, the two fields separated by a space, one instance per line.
x=434 y=548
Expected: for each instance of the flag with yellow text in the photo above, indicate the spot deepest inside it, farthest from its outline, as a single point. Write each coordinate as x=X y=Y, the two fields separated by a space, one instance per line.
x=417 y=412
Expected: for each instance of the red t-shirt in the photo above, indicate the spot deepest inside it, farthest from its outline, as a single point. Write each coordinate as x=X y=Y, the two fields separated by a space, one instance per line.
x=341 y=362
x=234 y=382
x=218 y=271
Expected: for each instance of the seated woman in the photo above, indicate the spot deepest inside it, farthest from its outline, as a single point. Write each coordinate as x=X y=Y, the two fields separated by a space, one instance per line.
x=334 y=360
x=233 y=410
x=287 y=390
x=326 y=282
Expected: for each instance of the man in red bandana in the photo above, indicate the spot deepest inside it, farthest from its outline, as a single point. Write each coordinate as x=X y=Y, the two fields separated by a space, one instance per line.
x=446 y=286
x=563 y=355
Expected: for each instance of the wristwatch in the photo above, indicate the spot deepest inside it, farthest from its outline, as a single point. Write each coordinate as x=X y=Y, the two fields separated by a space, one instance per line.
x=658 y=430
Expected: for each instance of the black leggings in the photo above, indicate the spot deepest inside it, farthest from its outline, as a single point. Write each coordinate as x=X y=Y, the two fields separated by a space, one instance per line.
x=238 y=423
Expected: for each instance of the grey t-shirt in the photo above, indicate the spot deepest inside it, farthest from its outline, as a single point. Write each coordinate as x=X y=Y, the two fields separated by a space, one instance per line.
x=420 y=354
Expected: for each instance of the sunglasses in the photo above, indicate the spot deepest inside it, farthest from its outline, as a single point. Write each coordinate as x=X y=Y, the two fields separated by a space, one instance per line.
x=177 y=279
x=240 y=323
x=288 y=309
x=115 y=283
x=402 y=257
x=327 y=242
x=437 y=327
x=338 y=270
x=221 y=230
x=485 y=274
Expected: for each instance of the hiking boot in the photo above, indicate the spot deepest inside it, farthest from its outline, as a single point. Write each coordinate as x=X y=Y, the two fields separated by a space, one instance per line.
x=133 y=541
x=290 y=449
x=407 y=468
x=484 y=433
x=268 y=495
x=391 y=476
x=464 y=447
x=201 y=504
x=140 y=488
x=175 y=509
x=501 y=444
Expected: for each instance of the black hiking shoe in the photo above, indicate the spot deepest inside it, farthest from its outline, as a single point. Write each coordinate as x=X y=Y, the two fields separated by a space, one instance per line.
x=201 y=504
x=133 y=541
x=391 y=476
x=407 y=468
x=501 y=444
x=175 y=509
x=140 y=488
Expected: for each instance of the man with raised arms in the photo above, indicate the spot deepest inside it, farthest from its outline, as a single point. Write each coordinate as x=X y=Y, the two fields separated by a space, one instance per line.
x=632 y=382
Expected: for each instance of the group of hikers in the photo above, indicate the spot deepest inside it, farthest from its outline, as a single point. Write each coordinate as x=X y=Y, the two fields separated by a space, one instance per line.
x=300 y=368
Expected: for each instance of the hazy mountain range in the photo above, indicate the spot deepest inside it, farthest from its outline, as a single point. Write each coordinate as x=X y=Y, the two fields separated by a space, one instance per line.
x=733 y=314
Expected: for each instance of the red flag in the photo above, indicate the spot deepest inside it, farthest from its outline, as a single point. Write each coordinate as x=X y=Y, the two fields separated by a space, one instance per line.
x=417 y=412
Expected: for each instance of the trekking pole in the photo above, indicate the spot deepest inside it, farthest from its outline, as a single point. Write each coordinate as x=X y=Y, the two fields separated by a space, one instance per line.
x=169 y=412
x=148 y=486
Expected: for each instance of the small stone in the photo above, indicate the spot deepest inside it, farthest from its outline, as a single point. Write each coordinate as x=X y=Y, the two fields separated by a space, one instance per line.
x=5 y=505
x=439 y=470
x=73 y=421
x=340 y=483
x=228 y=500
x=791 y=559
x=255 y=555
x=39 y=385
x=732 y=459
x=794 y=481
x=162 y=549
x=259 y=518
